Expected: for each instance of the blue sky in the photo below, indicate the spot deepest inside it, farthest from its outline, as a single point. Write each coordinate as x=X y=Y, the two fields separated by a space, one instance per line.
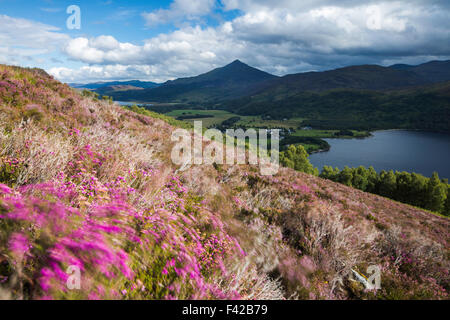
x=122 y=18
x=162 y=40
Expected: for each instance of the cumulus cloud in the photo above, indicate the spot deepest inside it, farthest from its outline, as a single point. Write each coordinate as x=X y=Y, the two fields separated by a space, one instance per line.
x=97 y=73
x=103 y=49
x=180 y=10
x=283 y=36
x=21 y=39
x=383 y=28
x=167 y=56
x=306 y=5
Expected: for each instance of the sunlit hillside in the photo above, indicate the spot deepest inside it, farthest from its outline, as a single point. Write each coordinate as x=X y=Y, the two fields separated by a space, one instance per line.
x=87 y=183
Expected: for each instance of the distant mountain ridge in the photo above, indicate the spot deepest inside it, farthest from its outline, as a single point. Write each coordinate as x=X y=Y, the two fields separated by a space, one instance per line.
x=365 y=77
x=238 y=80
x=230 y=82
x=434 y=71
x=237 y=71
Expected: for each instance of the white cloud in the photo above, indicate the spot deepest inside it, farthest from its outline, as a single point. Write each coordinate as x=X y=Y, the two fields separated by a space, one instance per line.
x=168 y=56
x=97 y=73
x=283 y=36
x=180 y=10
x=390 y=25
x=105 y=43
x=306 y=5
x=79 y=48
x=21 y=40
x=103 y=49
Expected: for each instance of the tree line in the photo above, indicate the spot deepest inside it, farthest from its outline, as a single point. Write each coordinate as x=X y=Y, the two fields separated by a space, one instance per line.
x=415 y=189
x=411 y=188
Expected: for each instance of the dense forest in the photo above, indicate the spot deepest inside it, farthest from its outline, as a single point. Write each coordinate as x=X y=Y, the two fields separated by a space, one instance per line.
x=411 y=188
x=290 y=140
x=426 y=108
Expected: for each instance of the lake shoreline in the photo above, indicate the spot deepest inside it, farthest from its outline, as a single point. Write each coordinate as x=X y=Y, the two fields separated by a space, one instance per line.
x=394 y=149
x=371 y=134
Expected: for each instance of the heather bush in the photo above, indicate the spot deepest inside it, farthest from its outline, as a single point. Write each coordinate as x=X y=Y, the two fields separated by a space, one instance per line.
x=44 y=237
x=10 y=169
x=250 y=284
x=173 y=250
x=41 y=154
x=83 y=196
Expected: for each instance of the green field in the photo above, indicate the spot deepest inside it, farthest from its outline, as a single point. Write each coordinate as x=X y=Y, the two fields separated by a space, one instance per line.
x=217 y=117
x=328 y=134
x=258 y=122
x=246 y=121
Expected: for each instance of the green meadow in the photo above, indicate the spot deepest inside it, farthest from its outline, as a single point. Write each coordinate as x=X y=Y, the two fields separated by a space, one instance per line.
x=214 y=118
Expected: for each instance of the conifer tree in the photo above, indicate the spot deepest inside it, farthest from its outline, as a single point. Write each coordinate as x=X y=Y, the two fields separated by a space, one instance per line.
x=388 y=183
x=296 y=157
x=436 y=194
x=346 y=176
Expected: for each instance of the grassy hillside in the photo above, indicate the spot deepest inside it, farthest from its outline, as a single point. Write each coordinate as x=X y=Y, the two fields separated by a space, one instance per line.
x=89 y=184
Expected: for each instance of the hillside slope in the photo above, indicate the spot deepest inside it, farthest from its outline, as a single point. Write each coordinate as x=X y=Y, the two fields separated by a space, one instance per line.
x=86 y=183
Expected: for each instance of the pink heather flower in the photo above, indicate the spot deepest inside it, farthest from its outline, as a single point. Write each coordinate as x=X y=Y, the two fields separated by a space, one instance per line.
x=124 y=292
x=33 y=107
x=74 y=132
x=19 y=244
x=307 y=263
x=101 y=290
x=5 y=189
x=93 y=296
